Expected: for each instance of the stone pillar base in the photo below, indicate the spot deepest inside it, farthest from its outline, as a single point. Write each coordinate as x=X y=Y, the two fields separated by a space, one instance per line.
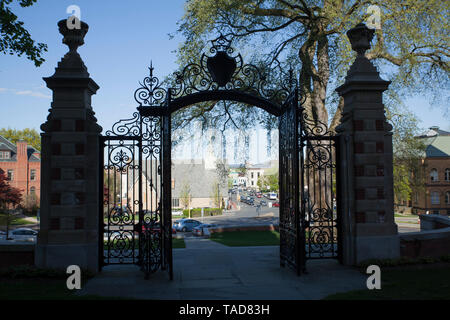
x=377 y=247
x=60 y=256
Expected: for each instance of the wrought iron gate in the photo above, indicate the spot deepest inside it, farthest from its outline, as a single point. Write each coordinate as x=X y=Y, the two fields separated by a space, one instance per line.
x=136 y=224
x=320 y=205
x=290 y=223
x=136 y=175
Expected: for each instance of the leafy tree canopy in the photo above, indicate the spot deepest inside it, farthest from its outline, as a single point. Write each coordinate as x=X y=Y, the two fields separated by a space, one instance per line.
x=411 y=48
x=31 y=136
x=14 y=38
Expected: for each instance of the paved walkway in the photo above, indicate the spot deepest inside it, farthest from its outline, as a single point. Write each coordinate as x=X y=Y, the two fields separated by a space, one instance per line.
x=208 y=270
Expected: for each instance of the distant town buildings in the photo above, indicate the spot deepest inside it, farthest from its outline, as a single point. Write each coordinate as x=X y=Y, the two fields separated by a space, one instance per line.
x=22 y=165
x=248 y=175
x=435 y=197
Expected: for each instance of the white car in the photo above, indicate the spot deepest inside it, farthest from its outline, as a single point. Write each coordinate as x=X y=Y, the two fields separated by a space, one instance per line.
x=23 y=234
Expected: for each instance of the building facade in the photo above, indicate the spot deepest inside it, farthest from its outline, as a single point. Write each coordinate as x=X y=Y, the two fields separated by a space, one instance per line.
x=201 y=181
x=22 y=165
x=435 y=198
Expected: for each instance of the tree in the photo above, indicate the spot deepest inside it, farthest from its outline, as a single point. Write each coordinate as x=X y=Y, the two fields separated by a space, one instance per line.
x=15 y=39
x=408 y=151
x=9 y=197
x=185 y=195
x=412 y=48
x=31 y=136
x=270 y=181
x=216 y=194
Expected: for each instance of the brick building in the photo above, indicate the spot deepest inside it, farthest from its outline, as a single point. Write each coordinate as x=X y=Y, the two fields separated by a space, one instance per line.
x=22 y=165
x=436 y=169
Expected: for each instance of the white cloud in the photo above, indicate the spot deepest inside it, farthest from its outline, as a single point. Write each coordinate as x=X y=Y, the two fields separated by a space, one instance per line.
x=31 y=93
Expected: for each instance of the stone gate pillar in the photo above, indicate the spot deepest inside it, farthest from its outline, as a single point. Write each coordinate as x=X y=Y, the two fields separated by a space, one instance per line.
x=369 y=230
x=70 y=165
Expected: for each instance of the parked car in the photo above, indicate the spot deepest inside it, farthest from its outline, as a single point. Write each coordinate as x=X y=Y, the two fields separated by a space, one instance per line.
x=263 y=202
x=276 y=204
x=259 y=195
x=25 y=234
x=201 y=229
x=156 y=228
x=185 y=225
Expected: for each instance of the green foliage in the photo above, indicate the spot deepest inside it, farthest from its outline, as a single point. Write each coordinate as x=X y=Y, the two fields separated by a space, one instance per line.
x=185 y=195
x=197 y=212
x=268 y=180
x=411 y=48
x=14 y=38
x=247 y=238
x=408 y=151
x=31 y=136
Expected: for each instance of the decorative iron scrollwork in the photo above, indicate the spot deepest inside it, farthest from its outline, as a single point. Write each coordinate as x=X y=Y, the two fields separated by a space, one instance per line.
x=222 y=69
x=150 y=94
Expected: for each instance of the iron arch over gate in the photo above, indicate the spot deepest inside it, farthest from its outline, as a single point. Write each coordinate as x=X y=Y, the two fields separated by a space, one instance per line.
x=137 y=164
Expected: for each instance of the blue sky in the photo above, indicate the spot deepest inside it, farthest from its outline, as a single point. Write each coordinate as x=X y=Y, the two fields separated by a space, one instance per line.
x=123 y=37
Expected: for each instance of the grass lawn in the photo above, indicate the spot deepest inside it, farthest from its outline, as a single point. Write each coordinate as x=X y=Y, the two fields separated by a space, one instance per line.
x=399 y=215
x=40 y=289
x=14 y=222
x=247 y=238
x=422 y=282
x=31 y=283
x=178 y=243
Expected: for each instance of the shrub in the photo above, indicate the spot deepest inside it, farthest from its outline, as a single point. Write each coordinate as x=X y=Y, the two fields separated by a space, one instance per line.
x=197 y=212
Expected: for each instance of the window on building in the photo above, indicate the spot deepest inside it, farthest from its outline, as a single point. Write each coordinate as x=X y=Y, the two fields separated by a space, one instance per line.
x=416 y=197
x=252 y=175
x=33 y=174
x=434 y=175
x=32 y=190
x=435 y=197
x=4 y=155
x=10 y=175
x=259 y=174
x=447 y=174
x=447 y=197
x=175 y=202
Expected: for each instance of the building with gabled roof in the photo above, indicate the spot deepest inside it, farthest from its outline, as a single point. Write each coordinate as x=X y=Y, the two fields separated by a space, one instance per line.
x=435 y=162
x=22 y=165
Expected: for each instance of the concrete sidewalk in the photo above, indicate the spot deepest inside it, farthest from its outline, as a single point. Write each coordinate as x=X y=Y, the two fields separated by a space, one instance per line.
x=208 y=270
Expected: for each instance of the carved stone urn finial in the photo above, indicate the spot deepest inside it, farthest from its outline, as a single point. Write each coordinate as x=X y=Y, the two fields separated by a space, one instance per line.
x=360 y=37
x=73 y=38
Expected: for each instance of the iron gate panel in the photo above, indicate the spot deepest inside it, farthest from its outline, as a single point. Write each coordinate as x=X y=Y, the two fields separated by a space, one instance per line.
x=167 y=196
x=120 y=214
x=320 y=204
x=132 y=194
x=291 y=240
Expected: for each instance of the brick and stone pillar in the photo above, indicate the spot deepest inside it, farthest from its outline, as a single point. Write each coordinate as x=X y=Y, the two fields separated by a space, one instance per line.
x=69 y=231
x=369 y=230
